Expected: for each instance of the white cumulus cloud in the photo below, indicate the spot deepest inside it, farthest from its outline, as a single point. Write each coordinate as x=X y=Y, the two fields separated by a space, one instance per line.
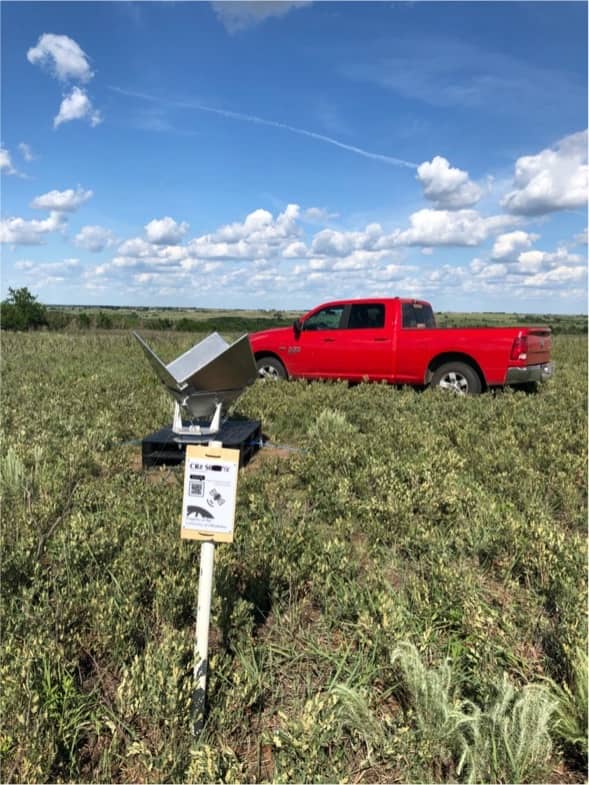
x=237 y=15
x=335 y=243
x=18 y=231
x=361 y=260
x=6 y=166
x=259 y=236
x=555 y=271
x=260 y=226
x=62 y=201
x=165 y=231
x=554 y=179
x=556 y=277
x=256 y=223
x=65 y=266
x=94 y=238
x=450 y=227
x=77 y=106
x=50 y=273
x=536 y=261
x=136 y=248
x=62 y=56
x=448 y=187
x=266 y=254
x=296 y=250
x=318 y=215
x=507 y=245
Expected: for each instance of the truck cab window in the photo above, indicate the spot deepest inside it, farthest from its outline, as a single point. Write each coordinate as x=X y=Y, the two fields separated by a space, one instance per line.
x=366 y=316
x=418 y=315
x=325 y=319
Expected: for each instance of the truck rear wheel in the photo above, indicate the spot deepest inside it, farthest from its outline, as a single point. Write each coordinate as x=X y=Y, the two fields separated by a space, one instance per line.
x=457 y=377
x=270 y=369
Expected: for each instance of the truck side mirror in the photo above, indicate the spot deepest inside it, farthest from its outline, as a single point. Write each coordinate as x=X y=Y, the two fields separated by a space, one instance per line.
x=297 y=326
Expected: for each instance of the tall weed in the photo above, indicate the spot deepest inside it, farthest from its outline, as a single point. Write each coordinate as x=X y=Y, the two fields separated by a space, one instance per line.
x=570 y=718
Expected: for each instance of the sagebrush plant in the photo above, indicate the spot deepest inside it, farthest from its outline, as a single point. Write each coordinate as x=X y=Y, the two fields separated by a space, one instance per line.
x=444 y=724
x=13 y=475
x=393 y=516
x=505 y=741
x=511 y=740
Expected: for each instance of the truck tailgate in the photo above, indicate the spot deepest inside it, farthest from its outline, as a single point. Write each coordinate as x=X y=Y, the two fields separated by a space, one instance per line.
x=539 y=345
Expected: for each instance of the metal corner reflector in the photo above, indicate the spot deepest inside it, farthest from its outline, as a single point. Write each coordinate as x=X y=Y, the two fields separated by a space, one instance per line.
x=212 y=372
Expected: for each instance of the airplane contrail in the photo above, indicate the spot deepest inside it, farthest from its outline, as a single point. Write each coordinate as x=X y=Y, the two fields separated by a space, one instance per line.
x=250 y=118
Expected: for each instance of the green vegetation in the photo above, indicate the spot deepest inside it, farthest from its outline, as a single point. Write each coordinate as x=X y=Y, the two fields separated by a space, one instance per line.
x=21 y=311
x=405 y=600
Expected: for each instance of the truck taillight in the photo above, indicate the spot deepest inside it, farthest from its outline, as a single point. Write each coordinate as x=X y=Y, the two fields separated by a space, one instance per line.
x=519 y=350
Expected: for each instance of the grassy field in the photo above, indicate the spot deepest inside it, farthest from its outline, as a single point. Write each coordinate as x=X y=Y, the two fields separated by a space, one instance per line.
x=405 y=600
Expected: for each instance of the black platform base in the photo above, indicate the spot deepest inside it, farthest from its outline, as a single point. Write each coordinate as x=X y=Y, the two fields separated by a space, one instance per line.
x=165 y=448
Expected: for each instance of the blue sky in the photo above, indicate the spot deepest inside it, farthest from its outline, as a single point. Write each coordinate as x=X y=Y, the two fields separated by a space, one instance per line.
x=280 y=154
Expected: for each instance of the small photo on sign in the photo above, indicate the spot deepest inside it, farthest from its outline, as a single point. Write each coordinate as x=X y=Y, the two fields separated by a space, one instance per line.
x=215 y=497
x=196 y=485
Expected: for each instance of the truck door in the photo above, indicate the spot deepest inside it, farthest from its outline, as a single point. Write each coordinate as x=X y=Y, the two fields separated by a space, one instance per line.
x=413 y=341
x=368 y=341
x=319 y=344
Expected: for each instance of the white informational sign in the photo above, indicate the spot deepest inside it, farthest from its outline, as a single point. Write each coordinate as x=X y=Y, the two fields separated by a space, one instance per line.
x=210 y=491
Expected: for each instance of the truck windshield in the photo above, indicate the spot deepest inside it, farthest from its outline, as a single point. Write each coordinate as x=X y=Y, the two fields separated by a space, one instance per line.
x=418 y=315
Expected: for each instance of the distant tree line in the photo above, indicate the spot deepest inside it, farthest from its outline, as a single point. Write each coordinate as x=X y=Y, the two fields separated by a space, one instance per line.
x=107 y=320
x=22 y=311
x=560 y=324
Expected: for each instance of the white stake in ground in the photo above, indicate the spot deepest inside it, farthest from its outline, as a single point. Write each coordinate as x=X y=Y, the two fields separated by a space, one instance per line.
x=201 y=648
x=208 y=515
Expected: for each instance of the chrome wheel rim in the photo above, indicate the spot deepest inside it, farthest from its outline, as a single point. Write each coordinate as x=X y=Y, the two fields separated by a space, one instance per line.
x=268 y=373
x=454 y=382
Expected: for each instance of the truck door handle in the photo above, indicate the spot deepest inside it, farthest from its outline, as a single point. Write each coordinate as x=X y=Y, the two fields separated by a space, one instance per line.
x=329 y=340
x=379 y=340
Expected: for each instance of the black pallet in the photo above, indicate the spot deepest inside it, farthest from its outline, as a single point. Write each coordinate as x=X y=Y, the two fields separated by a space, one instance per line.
x=165 y=448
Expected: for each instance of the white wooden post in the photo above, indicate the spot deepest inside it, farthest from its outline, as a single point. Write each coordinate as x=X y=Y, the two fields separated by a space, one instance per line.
x=203 y=616
x=201 y=649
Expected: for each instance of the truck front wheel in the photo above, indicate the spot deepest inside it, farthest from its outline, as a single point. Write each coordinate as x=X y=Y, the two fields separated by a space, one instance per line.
x=270 y=369
x=456 y=377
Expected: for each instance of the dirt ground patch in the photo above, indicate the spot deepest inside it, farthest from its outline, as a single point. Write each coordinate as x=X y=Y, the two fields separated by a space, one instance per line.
x=266 y=454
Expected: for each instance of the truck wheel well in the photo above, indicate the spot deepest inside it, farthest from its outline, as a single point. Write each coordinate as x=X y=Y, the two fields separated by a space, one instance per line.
x=448 y=357
x=260 y=355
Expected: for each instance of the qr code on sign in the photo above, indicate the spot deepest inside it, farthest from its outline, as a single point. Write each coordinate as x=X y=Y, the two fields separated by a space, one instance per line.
x=196 y=486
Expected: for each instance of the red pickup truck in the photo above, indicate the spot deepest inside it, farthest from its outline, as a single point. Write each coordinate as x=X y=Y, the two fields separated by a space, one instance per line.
x=396 y=340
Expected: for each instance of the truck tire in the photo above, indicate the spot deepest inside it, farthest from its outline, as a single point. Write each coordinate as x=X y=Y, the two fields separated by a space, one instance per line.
x=270 y=369
x=457 y=377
